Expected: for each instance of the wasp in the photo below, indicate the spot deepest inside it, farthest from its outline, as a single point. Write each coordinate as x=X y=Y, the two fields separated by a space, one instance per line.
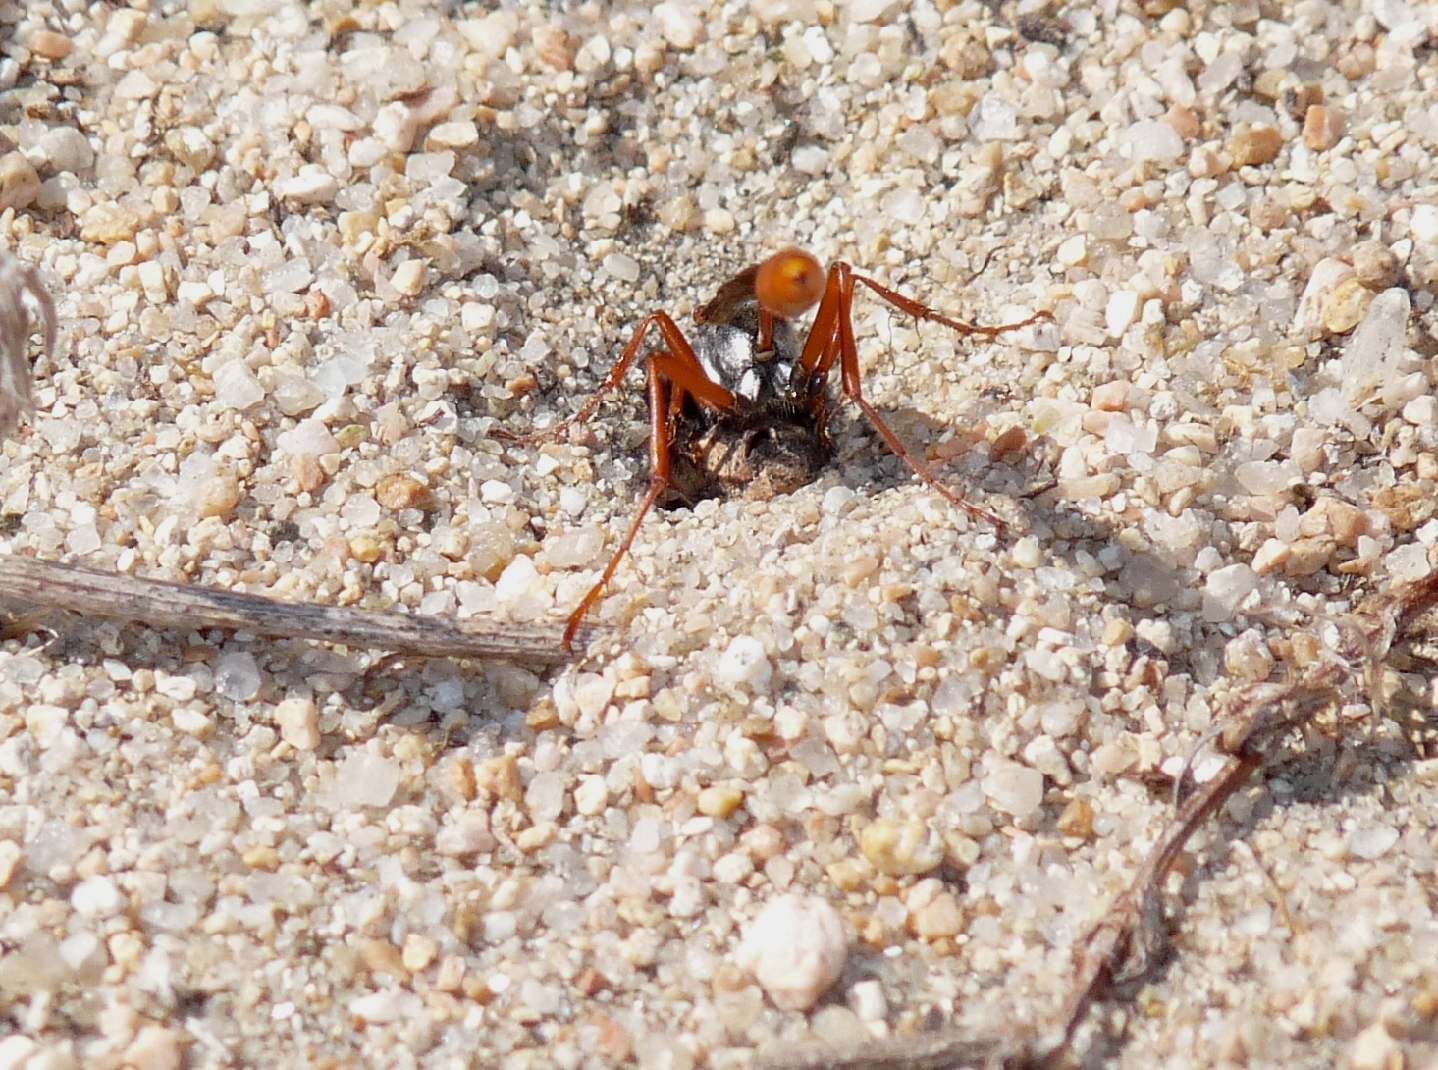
x=739 y=405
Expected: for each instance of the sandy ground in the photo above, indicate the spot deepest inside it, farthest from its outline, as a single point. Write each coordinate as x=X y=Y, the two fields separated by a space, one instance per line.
x=306 y=258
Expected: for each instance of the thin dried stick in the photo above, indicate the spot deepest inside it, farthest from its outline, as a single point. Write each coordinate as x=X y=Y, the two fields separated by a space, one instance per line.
x=19 y=283
x=28 y=584
x=1130 y=931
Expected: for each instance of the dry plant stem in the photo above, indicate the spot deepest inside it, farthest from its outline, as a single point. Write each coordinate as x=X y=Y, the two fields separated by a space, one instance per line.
x=20 y=283
x=1122 y=943
x=27 y=584
x=1109 y=942
x=943 y=1050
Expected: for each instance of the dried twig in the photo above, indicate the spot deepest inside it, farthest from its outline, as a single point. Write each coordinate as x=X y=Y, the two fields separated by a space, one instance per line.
x=19 y=282
x=27 y=584
x=1125 y=940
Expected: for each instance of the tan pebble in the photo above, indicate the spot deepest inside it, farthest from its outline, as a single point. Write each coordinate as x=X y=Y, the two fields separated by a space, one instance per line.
x=1306 y=649
x=1113 y=758
x=591 y=795
x=939 y=918
x=1425 y=1001
x=634 y=687
x=678 y=213
x=317 y=304
x=1270 y=83
x=1072 y=251
x=1375 y=1049
x=987 y=659
x=1077 y=819
x=554 y=47
x=1332 y=516
x=192 y=146
x=762 y=842
x=419 y=951
x=155 y=1048
x=960 y=851
x=461 y=778
x=261 y=856
x=858 y=568
x=1343 y=306
x=299 y=721
x=543 y=715
x=1308 y=448
x=1308 y=556
x=1322 y=127
x=381 y=956
x=901 y=848
x=1406 y=506
x=125 y=949
x=356 y=226
x=390 y=425
x=106 y=222
x=719 y=800
x=1375 y=265
x=19 y=184
x=1356 y=566
x=1117 y=632
x=477 y=989
x=729 y=978
x=1085 y=487
x=455 y=135
x=153 y=281
x=1184 y=121
x=535 y=837
x=590 y=982
x=966 y=54
x=218 y=496
x=1111 y=396
x=400 y=491
x=367 y=547
x=409 y=278
x=127 y=23
x=10 y=857
x=612 y=1041
x=1271 y=556
x=450 y=974
x=1270 y=213
x=1255 y=146
x=50 y=45
x=500 y=777
x=1206 y=161
x=1011 y=440
x=309 y=476
x=1298 y=98
x=1248 y=658
x=849 y=874
x=1358 y=61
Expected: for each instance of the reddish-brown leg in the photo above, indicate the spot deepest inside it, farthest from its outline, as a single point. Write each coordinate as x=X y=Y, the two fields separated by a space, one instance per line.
x=706 y=391
x=672 y=376
x=924 y=312
x=832 y=338
x=766 y=331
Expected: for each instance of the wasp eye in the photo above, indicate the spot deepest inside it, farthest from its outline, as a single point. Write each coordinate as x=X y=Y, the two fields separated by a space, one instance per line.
x=789 y=283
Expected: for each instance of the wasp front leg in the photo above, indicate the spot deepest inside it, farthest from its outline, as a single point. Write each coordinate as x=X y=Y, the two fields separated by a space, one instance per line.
x=831 y=339
x=705 y=391
x=673 y=375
